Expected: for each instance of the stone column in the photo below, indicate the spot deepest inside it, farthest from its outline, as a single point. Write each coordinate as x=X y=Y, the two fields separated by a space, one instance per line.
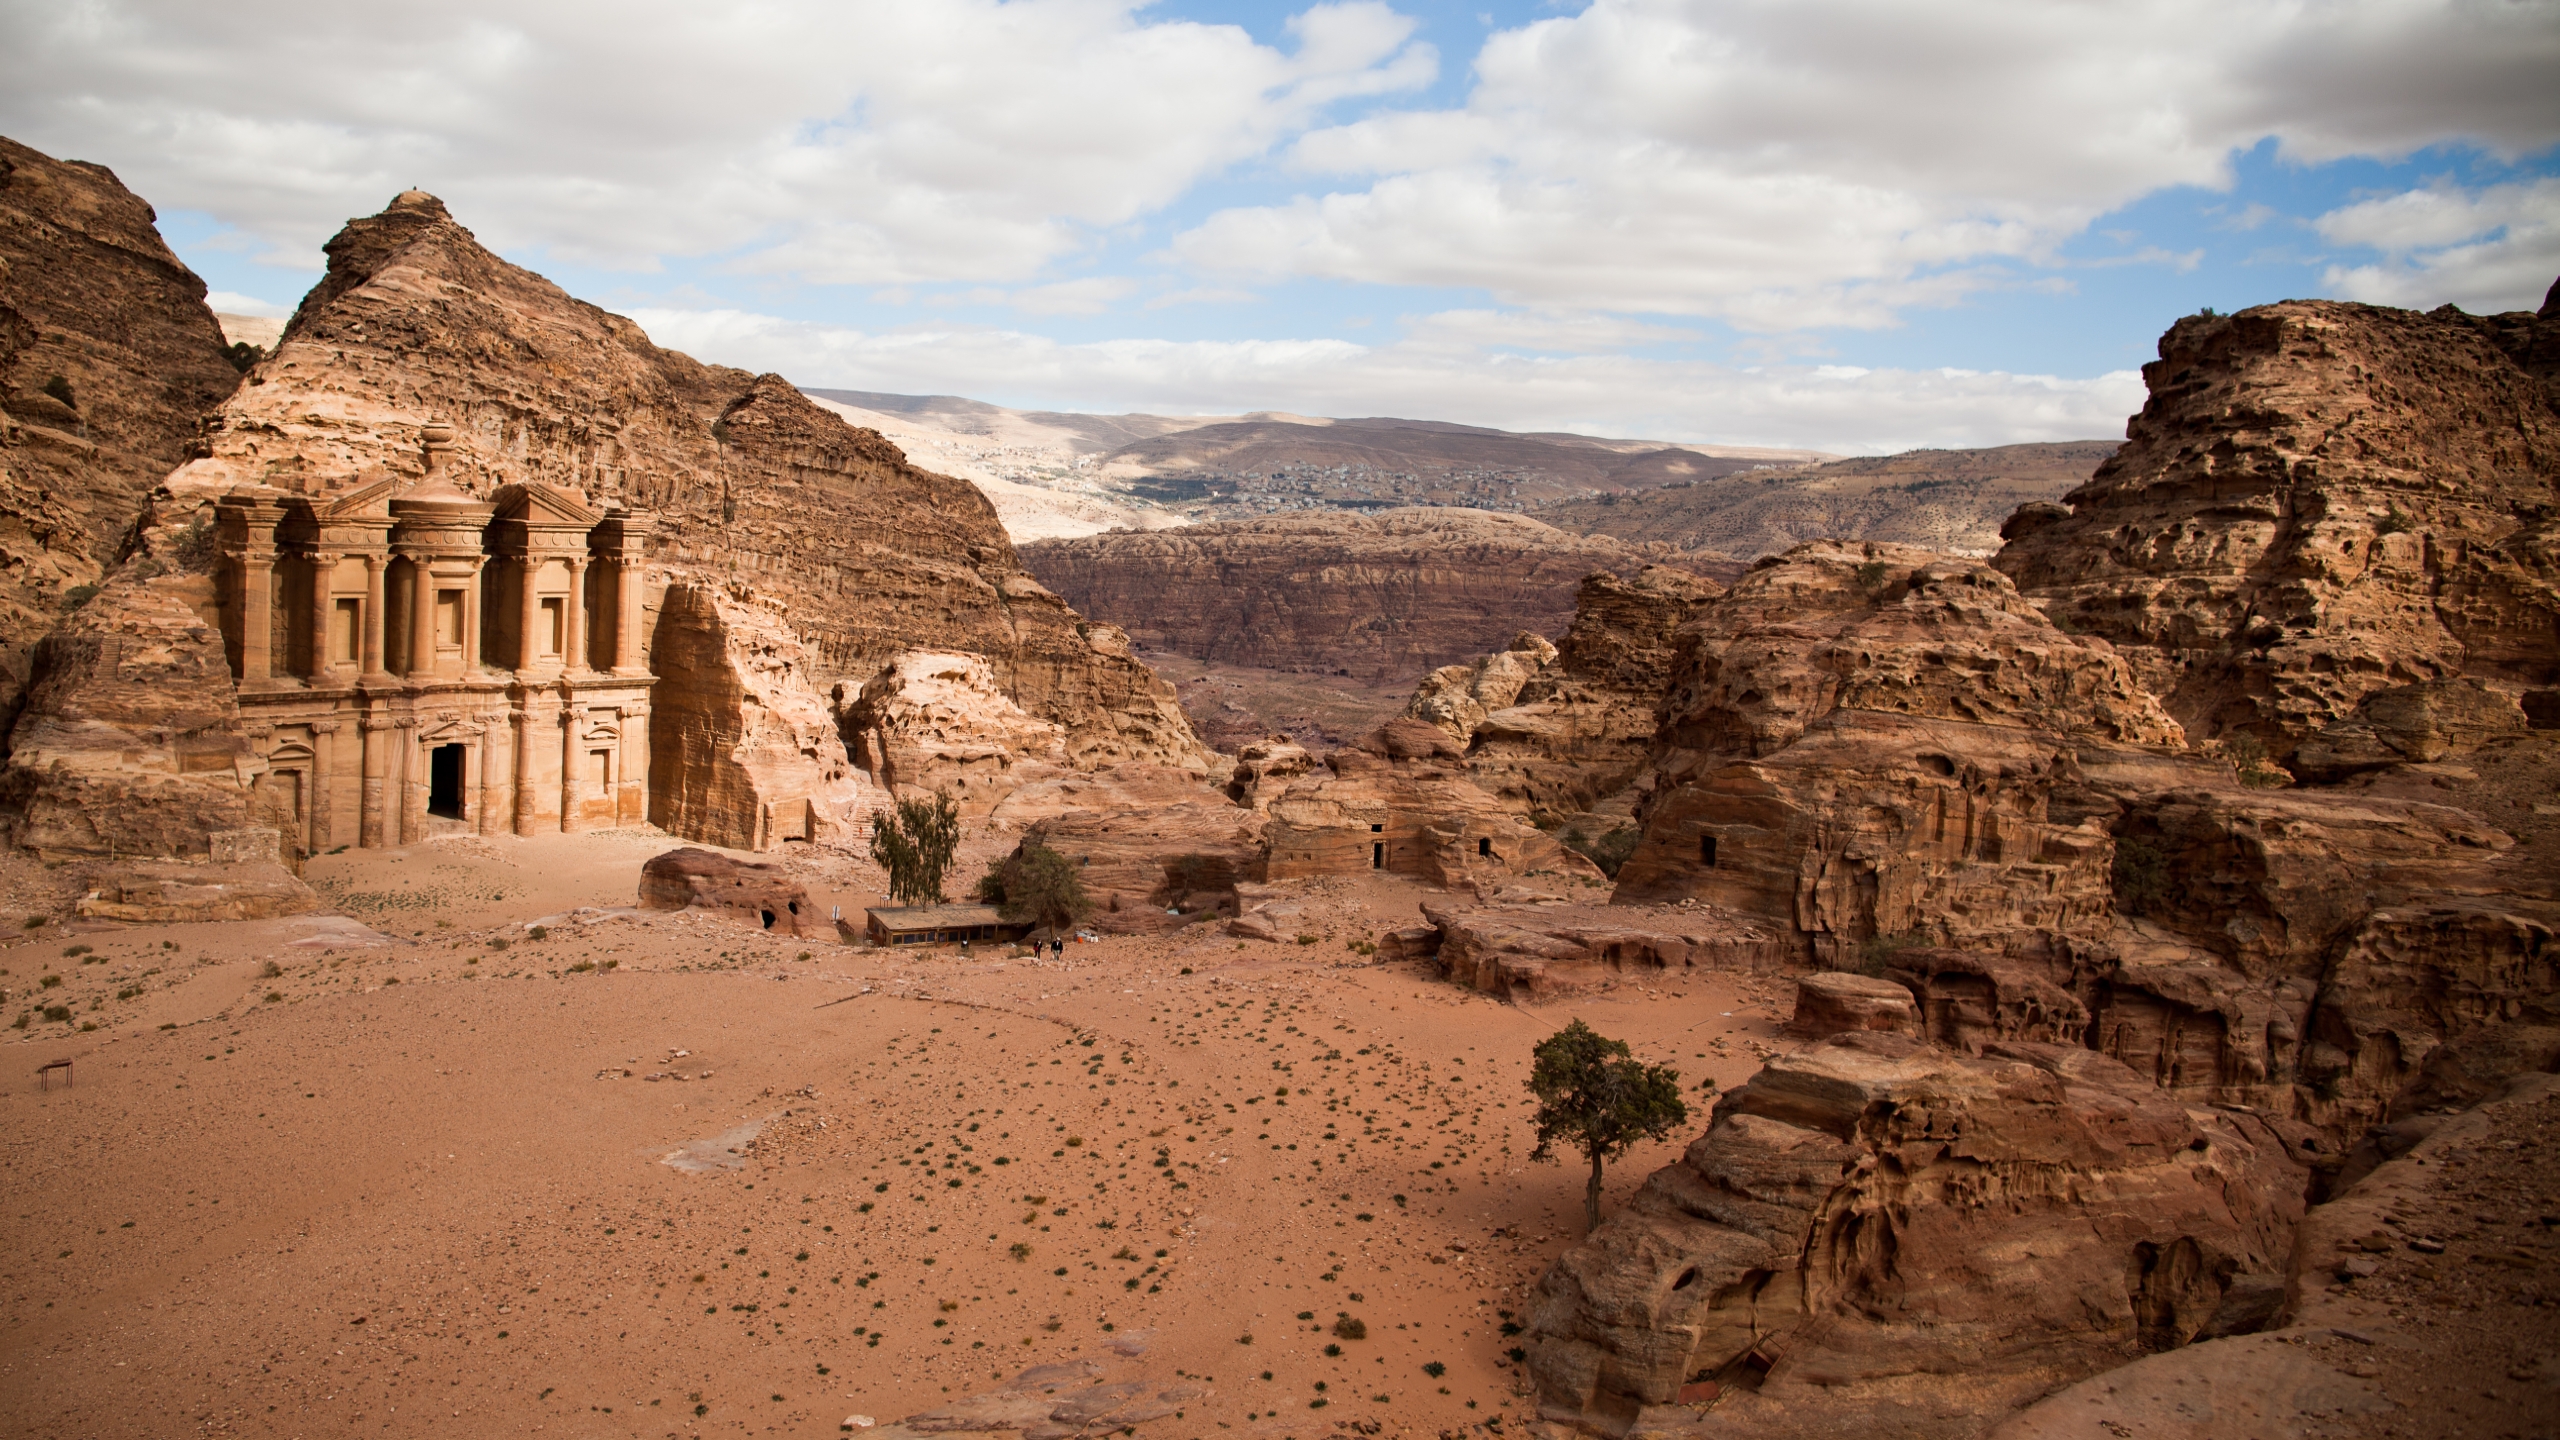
x=525 y=806
x=372 y=832
x=632 y=806
x=324 y=571
x=484 y=819
x=422 y=617
x=323 y=755
x=413 y=782
x=257 y=619
x=627 y=650
x=471 y=616
x=573 y=653
x=374 y=566
x=573 y=719
x=529 y=608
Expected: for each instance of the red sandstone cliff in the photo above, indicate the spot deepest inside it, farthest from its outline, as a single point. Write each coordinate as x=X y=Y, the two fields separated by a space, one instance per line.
x=108 y=357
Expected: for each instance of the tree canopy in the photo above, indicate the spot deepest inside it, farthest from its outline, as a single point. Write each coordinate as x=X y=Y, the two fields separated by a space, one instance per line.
x=1596 y=1097
x=916 y=846
x=1037 y=884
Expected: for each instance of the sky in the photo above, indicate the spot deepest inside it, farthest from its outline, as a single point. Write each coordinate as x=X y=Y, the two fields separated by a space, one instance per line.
x=1852 y=225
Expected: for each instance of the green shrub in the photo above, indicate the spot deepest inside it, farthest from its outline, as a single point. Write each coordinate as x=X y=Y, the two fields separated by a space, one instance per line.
x=2140 y=876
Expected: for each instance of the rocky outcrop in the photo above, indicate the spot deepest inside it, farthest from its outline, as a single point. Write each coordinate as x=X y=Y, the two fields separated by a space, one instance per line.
x=1542 y=951
x=108 y=357
x=1150 y=868
x=244 y=879
x=934 y=719
x=742 y=752
x=1864 y=742
x=1383 y=595
x=1873 y=1219
x=2318 y=502
x=1832 y=1003
x=419 y=343
x=1401 y=801
x=764 y=896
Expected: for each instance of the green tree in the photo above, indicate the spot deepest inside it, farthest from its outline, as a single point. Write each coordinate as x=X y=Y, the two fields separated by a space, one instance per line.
x=1037 y=884
x=916 y=845
x=1595 y=1096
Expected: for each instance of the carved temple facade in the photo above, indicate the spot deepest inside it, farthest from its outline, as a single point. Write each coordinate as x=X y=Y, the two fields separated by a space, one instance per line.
x=418 y=661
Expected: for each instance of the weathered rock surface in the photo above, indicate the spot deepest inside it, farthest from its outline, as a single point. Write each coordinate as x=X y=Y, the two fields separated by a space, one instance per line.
x=1388 y=594
x=2318 y=502
x=1557 y=730
x=743 y=752
x=1865 y=742
x=1832 y=1003
x=94 y=307
x=1136 y=863
x=854 y=554
x=1401 y=801
x=695 y=879
x=245 y=879
x=1550 y=950
x=1874 y=1216
x=935 y=719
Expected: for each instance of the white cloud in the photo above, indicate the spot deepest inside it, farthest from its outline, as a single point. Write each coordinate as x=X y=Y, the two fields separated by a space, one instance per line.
x=1784 y=163
x=2486 y=250
x=232 y=302
x=857 y=141
x=1089 y=296
x=1435 y=373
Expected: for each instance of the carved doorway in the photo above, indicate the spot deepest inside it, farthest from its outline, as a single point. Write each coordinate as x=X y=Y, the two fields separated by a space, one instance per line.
x=444 y=781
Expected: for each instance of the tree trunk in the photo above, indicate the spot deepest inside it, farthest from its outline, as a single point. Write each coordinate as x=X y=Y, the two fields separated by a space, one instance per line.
x=1591 y=1197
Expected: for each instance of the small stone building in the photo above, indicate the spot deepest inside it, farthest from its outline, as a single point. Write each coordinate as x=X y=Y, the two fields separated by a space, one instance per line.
x=416 y=661
x=939 y=924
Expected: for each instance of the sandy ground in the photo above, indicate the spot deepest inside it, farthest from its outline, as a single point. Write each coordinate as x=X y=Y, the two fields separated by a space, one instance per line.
x=319 y=1179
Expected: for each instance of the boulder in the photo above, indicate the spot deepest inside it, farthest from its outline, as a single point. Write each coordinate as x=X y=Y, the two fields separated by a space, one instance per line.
x=1540 y=954
x=1137 y=863
x=1871 y=1210
x=1832 y=1003
x=695 y=879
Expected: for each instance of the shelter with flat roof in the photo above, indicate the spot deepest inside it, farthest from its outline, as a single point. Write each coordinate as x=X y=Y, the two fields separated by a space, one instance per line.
x=939 y=924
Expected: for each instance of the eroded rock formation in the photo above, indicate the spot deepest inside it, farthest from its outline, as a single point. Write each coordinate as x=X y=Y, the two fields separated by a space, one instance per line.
x=108 y=357
x=1387 y=595
x=1873 y=1218
x=2319 y=502
x=764 y=896
x=1401 y=800
x=422 y=350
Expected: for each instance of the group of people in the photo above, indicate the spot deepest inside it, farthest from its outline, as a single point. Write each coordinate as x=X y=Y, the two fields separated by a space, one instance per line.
x=1057 y=948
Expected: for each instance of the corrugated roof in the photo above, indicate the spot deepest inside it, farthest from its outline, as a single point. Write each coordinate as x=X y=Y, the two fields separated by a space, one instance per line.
x=934 y=917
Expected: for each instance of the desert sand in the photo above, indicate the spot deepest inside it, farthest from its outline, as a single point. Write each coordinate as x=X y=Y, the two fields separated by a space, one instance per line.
x=411 y=1170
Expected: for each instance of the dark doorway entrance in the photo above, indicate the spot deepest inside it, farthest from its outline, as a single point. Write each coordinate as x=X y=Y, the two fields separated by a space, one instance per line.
x=1377 y=856
x=444 y=781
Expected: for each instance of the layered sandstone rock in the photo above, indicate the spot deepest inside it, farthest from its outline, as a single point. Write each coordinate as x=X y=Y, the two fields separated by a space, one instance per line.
x=1832 y=1003
x=1864 y=742
x=743 y=753
x=936 y=719
x=420 y=344
x=764 y=896
x=2319 y=501
x=1401 y=801
x=1875 y=1220
x=108 y=357
x=1138 y=864
x=1554 y=731
x=1384 y=595
x=1551 y=950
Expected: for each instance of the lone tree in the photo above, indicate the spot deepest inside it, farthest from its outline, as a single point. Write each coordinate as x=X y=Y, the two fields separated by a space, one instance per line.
x=916 y=846
x=1594 y=1095
x=1037 y=884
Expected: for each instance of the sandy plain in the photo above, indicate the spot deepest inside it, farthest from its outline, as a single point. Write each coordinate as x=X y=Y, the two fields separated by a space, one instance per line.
x=662 y=1175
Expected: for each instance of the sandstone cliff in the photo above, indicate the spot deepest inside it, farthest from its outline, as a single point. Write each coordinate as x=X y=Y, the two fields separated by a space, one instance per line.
x=1872 y=1225
x=1391 y=594
x=2320 y=502
x=108 y=357
x=421 y=344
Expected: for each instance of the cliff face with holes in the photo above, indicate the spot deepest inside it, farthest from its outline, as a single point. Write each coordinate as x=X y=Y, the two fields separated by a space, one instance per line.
x=849 y=555
x=108 y=356
x=2320 y=504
